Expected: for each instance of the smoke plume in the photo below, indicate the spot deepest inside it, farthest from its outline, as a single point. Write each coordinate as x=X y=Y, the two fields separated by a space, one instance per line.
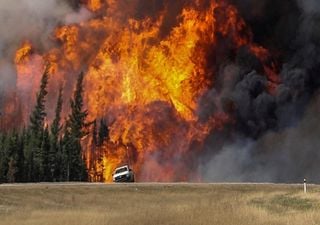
x=34 y=21
x=276 y=134
x=283 y=156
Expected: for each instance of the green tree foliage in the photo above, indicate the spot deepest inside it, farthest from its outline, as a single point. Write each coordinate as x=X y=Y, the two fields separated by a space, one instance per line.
x=45 y=148
x=11 y=159
x=38 y=114
x=74 y=132
x=12 y=154
x=34 y=153
x=55 y=153
x=21 y=176
x=4 y=158
x=50 y=153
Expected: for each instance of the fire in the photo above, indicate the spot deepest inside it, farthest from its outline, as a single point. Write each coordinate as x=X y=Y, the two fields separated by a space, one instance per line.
x=94 y=5
x=23 y=52
x=29 y=67
x=146 y=82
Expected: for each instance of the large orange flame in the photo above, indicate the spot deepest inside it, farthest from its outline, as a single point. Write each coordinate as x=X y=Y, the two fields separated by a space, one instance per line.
x=145 y=82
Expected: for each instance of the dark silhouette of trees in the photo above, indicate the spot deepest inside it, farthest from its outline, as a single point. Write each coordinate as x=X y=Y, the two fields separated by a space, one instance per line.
x=43 y=152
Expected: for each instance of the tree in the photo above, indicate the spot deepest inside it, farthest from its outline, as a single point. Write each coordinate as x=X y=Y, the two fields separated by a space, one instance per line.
x=12 y=155
x=20 y=174
x=55 y=153
x=103 y=132
x=38 y=114
x=12 y=170
x=45 y=148
x=4 y=158
x=74 y=132
x=34 y=154
x=94 y=134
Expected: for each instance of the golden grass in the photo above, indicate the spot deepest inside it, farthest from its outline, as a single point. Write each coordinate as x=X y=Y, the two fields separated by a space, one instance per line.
x=155 y=204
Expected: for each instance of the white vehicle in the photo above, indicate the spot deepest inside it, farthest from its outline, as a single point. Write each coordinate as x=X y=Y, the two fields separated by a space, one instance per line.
x=123 y=174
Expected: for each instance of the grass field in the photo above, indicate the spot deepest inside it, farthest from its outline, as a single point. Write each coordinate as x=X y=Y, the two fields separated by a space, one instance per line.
x=154 y=204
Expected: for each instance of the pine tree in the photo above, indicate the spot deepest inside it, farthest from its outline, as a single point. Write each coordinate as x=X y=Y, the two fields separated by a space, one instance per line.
x=74 y=132
x=62 y=162
x=38 y=114
x=12 y=170
x=34 y=154
x=55 y=153
x=12 y=154
x=65 y=156
x=93 y=151
x=29 y=159
x=103 y=132
x=94 y=134
x=21 y=176
x=45 y=148
x=4 y=159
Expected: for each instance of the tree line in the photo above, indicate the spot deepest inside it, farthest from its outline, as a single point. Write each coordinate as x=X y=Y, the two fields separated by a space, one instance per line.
x=47 y=153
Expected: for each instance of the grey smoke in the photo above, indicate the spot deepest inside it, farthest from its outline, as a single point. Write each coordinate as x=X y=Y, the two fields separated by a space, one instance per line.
x=33 y=20
x=286 y=156
x=25 y=19
x=275 y=136
x=309 y=6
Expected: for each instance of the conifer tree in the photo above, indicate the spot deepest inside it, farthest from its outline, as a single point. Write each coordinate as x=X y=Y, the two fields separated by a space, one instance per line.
x=94 y=134
x=103 y=132
x=38 y=114
x=75 y=131
x=21 y=176
x=45 y=148
x=12 y=170
x=4 y=159
x=55 y=154
x=34 y=155
x=65 y=156
x=12 y=154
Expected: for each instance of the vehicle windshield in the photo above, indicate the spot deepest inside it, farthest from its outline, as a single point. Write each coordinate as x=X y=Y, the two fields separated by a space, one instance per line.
x=121 y=170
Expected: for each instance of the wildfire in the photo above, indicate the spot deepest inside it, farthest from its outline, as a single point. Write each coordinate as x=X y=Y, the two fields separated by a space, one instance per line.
x=94 y=5
x=23 y=52
x=146 y=82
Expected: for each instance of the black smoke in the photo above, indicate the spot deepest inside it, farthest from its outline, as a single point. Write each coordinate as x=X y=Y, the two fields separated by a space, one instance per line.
x=274 y=137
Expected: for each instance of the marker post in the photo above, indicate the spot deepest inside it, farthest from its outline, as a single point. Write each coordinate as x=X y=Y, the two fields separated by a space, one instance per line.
x=305 y=185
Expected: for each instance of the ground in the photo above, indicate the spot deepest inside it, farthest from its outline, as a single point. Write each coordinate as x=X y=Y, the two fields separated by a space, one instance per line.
x=154 y=204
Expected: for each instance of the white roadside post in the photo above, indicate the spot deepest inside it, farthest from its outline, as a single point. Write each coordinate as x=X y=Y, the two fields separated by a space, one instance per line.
x=305 y=185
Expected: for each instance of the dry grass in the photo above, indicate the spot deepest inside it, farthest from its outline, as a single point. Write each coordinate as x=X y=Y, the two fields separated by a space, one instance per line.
x=155 y=204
